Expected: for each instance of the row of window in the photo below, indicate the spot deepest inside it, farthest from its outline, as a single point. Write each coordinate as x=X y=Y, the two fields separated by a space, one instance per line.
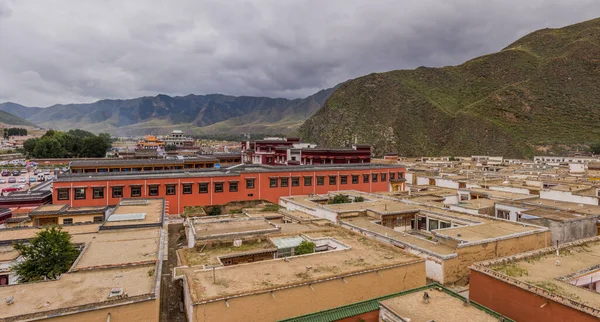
x=203 y=187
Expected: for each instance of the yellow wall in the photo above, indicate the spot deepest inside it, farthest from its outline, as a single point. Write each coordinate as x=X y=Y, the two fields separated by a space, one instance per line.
x=141 y=311
x=456 y=270
x=79 y=218
x=302 y=299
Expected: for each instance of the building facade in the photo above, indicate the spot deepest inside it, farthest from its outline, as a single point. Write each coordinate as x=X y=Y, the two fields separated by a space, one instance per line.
x=178 y=139
x=182 y=188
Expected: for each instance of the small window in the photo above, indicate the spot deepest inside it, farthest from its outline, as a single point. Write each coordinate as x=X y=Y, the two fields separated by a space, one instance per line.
x=117 y=192
x=392 y=175
x=332 y=180
x=320 y=181
x=343 y=179
x=67 y=221
x=355 y=179
x=218 y=186
x=203 y=187
x=400 y=175
x=153 y=190
x=136 y=191
x=98 y=219
x=79 y=193
x=433 y=224
x=171 y=189
x=233 y=186
x=383 y=177
x=273 y=182
x=187 y=188
x=98 y=193
x=295 y=181
x=249 y=183
x=63 y=194
x=374 y=177
x=365 y=178
x=285 y=182
x=308 y=181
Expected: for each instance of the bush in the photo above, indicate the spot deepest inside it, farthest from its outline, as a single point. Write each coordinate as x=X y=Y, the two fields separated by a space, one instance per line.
x=337 y=199
x=305 y=247
x=213 y=211
x=271 y=208
x=359 y=199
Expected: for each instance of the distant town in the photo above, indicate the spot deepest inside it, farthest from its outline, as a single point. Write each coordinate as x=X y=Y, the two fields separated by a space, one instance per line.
x=172 y=228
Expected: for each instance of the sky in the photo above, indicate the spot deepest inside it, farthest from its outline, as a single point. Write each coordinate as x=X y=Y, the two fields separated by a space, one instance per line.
x=77 y=51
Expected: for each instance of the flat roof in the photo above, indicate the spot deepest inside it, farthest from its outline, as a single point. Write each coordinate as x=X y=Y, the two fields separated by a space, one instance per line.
x=441 y=306
x=554 y=204
x=538 y=272
x=50 y=208
x=152 y=208
x=8 y=253
x=364 y=254
x=15 y=234
x=487 y=230
x=495 y=194
x=140 y=162
x=232 y=226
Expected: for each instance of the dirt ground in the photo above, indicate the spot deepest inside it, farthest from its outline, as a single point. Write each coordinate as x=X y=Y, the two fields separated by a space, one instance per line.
x=171 y=291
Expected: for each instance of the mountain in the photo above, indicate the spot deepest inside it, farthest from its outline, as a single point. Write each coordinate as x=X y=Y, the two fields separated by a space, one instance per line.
x=541 y=91
x=198 y=114
x=8 y=118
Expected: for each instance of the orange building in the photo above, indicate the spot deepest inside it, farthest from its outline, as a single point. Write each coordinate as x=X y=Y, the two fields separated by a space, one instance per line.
x=204 y=187
x=150 y=142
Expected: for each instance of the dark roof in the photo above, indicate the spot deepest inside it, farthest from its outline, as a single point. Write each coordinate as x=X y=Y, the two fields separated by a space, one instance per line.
x=5 y=210
x=125 y=162
x=210 y=172
x=26 y=195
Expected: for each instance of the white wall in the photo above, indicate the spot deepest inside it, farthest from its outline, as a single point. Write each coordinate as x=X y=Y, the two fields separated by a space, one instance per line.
x=511 y=209
x=576 y=167
x=409 y=178
x=422 y=181
x=510 y=189
x=446 y=183
x=568 y=197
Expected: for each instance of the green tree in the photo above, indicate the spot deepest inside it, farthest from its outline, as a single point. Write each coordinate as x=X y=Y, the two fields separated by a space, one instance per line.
x=93 y=147
x=29 y=146
x=595 y=148
x=47 y=255
x=49 y=134
x=107 y=138
x=305 y=247
x=78 y=133
x=170 y=147
x=5 y=133
x=359 y=199
x=48 y=147
x=340 y=198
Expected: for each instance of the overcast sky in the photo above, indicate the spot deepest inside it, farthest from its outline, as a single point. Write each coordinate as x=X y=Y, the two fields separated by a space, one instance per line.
x=76 y=51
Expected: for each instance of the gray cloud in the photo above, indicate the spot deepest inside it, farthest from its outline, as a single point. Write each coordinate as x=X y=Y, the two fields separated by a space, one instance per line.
x=81 y=51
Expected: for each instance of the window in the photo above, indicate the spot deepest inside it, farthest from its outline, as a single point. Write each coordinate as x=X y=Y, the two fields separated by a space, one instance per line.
x=63 y=194
x=117 y=192
x=67 y=221
x=171 y=189
x=444 y=224
x=308 y=181
x=285 y=182
x=392 y=175
x=343 y=179
x=203 y=187
x=400 y=175
x=98 y=219
x=233 y=186
x=79 y=193
x=383 y=177
x=355 y=179
x=249 y=183
x=365 y=178
x=136 y=191
x=433 y=224
x=295 y=181
x=374 y=177
x=504 y=214
x=153 y=190
x=332 y=180
x=98 y=193
x=187 y=188
x=218 y=186
x=273 y=182
x=320 y=180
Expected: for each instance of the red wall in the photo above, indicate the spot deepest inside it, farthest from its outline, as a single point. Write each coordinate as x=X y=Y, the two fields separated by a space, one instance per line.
x=372 y=316
x=519 y=304
x=262 y=190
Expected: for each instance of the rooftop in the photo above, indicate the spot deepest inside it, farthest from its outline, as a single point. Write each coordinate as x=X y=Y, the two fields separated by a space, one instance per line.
x=551 y=276
x=136 y=212
x=140 y=162
x=207 y=229
x=363 y=254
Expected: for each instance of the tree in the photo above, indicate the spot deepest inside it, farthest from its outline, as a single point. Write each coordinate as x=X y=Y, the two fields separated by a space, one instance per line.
x=359 y=199
x=93 y=147
x=5 y=133
x=15 y=131
x=305 y=247
x=48 y=255
x=49 y=134
x=29 y=146
x=170 y=147
x=340 y=198
x=595 y=148
x=48 y=147
x=107 y=138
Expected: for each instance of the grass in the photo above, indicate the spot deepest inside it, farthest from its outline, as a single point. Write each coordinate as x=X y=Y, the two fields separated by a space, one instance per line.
x=271 y=207
x=511 y=270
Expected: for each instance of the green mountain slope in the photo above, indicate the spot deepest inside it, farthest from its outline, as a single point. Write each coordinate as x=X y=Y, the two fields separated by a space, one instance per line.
x=200 y=114
x=11 y=119
x=542 y=89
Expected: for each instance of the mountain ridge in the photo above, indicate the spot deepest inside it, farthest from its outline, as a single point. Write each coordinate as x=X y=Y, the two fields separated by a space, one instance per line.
x=542 y=89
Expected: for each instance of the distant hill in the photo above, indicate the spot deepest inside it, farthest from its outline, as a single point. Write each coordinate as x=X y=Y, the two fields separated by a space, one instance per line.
x=12 y=119
x=542 y=90
x=199 y=114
